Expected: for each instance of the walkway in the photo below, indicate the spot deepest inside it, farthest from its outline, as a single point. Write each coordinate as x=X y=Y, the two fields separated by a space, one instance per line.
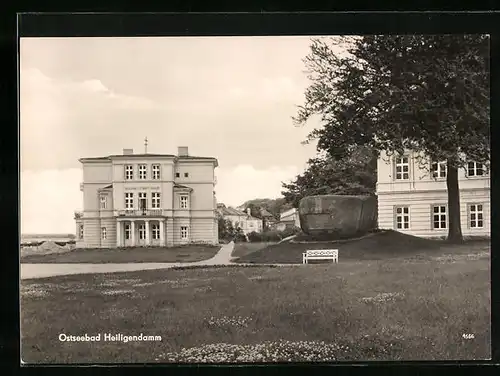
x=28 y=271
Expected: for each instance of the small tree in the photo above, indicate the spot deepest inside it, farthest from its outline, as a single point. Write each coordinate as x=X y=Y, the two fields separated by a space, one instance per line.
x=226 y=229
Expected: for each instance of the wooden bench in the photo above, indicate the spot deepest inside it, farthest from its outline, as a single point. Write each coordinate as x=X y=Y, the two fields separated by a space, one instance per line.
x=320 y=254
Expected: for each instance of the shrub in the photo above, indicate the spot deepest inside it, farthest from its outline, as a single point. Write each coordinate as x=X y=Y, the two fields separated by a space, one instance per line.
x=271 y=236
x=240 y=238
x=290 y=231
x=254 y=237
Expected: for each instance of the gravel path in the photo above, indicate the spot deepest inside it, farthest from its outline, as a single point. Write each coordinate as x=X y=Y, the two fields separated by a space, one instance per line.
x=29 y=271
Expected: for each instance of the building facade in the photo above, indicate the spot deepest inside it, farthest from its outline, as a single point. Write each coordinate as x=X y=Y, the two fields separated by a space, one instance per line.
x=290 y=218
x=241 y=219
x=413 y=199
x=134 y=200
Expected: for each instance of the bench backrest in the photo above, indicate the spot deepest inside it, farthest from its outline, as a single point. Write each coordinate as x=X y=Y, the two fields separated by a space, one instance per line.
x=322 y=252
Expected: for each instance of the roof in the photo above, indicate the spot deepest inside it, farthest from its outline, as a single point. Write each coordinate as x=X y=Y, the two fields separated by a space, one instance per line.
x=128 y=156
x=265 y=213
x=232 y=211
x=181 y=186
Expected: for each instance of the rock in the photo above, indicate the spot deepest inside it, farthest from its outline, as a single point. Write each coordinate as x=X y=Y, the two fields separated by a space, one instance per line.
x=338 y=216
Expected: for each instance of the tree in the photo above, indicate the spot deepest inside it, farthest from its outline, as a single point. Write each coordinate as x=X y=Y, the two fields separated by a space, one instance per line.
x=355 y=174
x=273 y=206
x=226 y=228
x=428 y=94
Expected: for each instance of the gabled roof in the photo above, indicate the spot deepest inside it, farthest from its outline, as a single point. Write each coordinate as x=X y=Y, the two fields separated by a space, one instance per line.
x=265 y=213
x=231 y=211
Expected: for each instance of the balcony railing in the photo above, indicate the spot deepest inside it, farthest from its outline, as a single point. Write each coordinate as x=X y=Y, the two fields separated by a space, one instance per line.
x=140 y=213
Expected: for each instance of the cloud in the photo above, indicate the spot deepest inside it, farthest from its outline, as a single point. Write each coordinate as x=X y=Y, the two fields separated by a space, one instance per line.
x=49 y=199
x=244 y=182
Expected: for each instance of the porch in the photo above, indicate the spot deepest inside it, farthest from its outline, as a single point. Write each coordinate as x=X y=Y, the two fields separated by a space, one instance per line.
x=140 y=232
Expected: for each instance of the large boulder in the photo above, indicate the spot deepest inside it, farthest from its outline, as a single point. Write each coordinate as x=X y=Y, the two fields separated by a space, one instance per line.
x=338 y=216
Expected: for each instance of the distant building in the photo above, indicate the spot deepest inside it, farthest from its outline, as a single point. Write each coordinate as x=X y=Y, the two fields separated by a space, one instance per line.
x=289 y=219
x=241 y=219
x=268 y=219
x=147 y=200
x=414 y=200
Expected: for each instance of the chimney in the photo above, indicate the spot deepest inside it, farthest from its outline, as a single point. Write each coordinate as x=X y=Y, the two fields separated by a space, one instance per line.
x=182 y=151
x=249 y=212
x=128 y=151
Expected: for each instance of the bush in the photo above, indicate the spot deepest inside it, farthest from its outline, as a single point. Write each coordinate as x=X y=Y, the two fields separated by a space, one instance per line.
x=290 y=231
x=254 y=237
x=240 y=238
x=271 y=236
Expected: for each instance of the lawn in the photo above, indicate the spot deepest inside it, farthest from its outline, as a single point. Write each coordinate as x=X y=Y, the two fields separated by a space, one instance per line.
x=189 y=253
x=243 y=249
x=378 y=246
x=401 y=308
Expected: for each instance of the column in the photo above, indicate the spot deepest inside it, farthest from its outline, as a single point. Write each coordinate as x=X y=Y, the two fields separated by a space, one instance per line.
x=132 y=230
x=162 y=233
x=170 y=232
x=147 y=233
x=118 y=233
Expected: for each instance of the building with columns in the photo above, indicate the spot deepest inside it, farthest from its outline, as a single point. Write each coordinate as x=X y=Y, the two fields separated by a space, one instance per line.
x=132 y=200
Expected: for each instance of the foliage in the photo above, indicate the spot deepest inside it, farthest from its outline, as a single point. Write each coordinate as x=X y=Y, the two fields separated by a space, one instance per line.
x=225 y=228
x=239 y=236
x=354 y=174
x=273 y=206
x=289 y=231
x=429 y=94
x=255 y=237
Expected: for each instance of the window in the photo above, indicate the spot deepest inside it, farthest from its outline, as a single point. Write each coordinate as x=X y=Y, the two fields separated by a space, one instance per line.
x=402 y=168
x=155 y=200
x=103 y=233
x=143 y=201
x=81 y=232
x=156 y=171
x=129 y=172
x=184 y=232
x=476 y=215
x=143 y=171
x=439 y=217
x=402 y=214
x=177 y=174
x=142 y=231
x=476 y=169
x=184 y=202
x=438 y=170
x=155 y=228
x=129 y=200
x=103 y=202
x=128 y=231
x=186 y=174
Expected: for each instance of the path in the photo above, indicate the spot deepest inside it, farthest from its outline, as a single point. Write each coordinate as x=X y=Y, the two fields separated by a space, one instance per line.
x=28 y=271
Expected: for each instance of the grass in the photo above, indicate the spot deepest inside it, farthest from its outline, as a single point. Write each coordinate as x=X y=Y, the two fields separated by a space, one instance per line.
x=243 y=249
x=378 y=246
x=190 y=253
x=400 y=308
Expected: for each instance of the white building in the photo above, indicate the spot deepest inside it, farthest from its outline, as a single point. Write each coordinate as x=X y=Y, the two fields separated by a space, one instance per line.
x=290 y=218
x=414 y=200
x=147 y=200
x=241 y=219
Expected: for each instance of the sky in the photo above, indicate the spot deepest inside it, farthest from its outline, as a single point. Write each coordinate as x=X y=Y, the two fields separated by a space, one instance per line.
x=232 y=98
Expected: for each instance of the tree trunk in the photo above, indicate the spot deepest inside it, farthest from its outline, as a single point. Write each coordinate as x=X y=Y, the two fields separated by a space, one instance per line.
x=455 y=228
